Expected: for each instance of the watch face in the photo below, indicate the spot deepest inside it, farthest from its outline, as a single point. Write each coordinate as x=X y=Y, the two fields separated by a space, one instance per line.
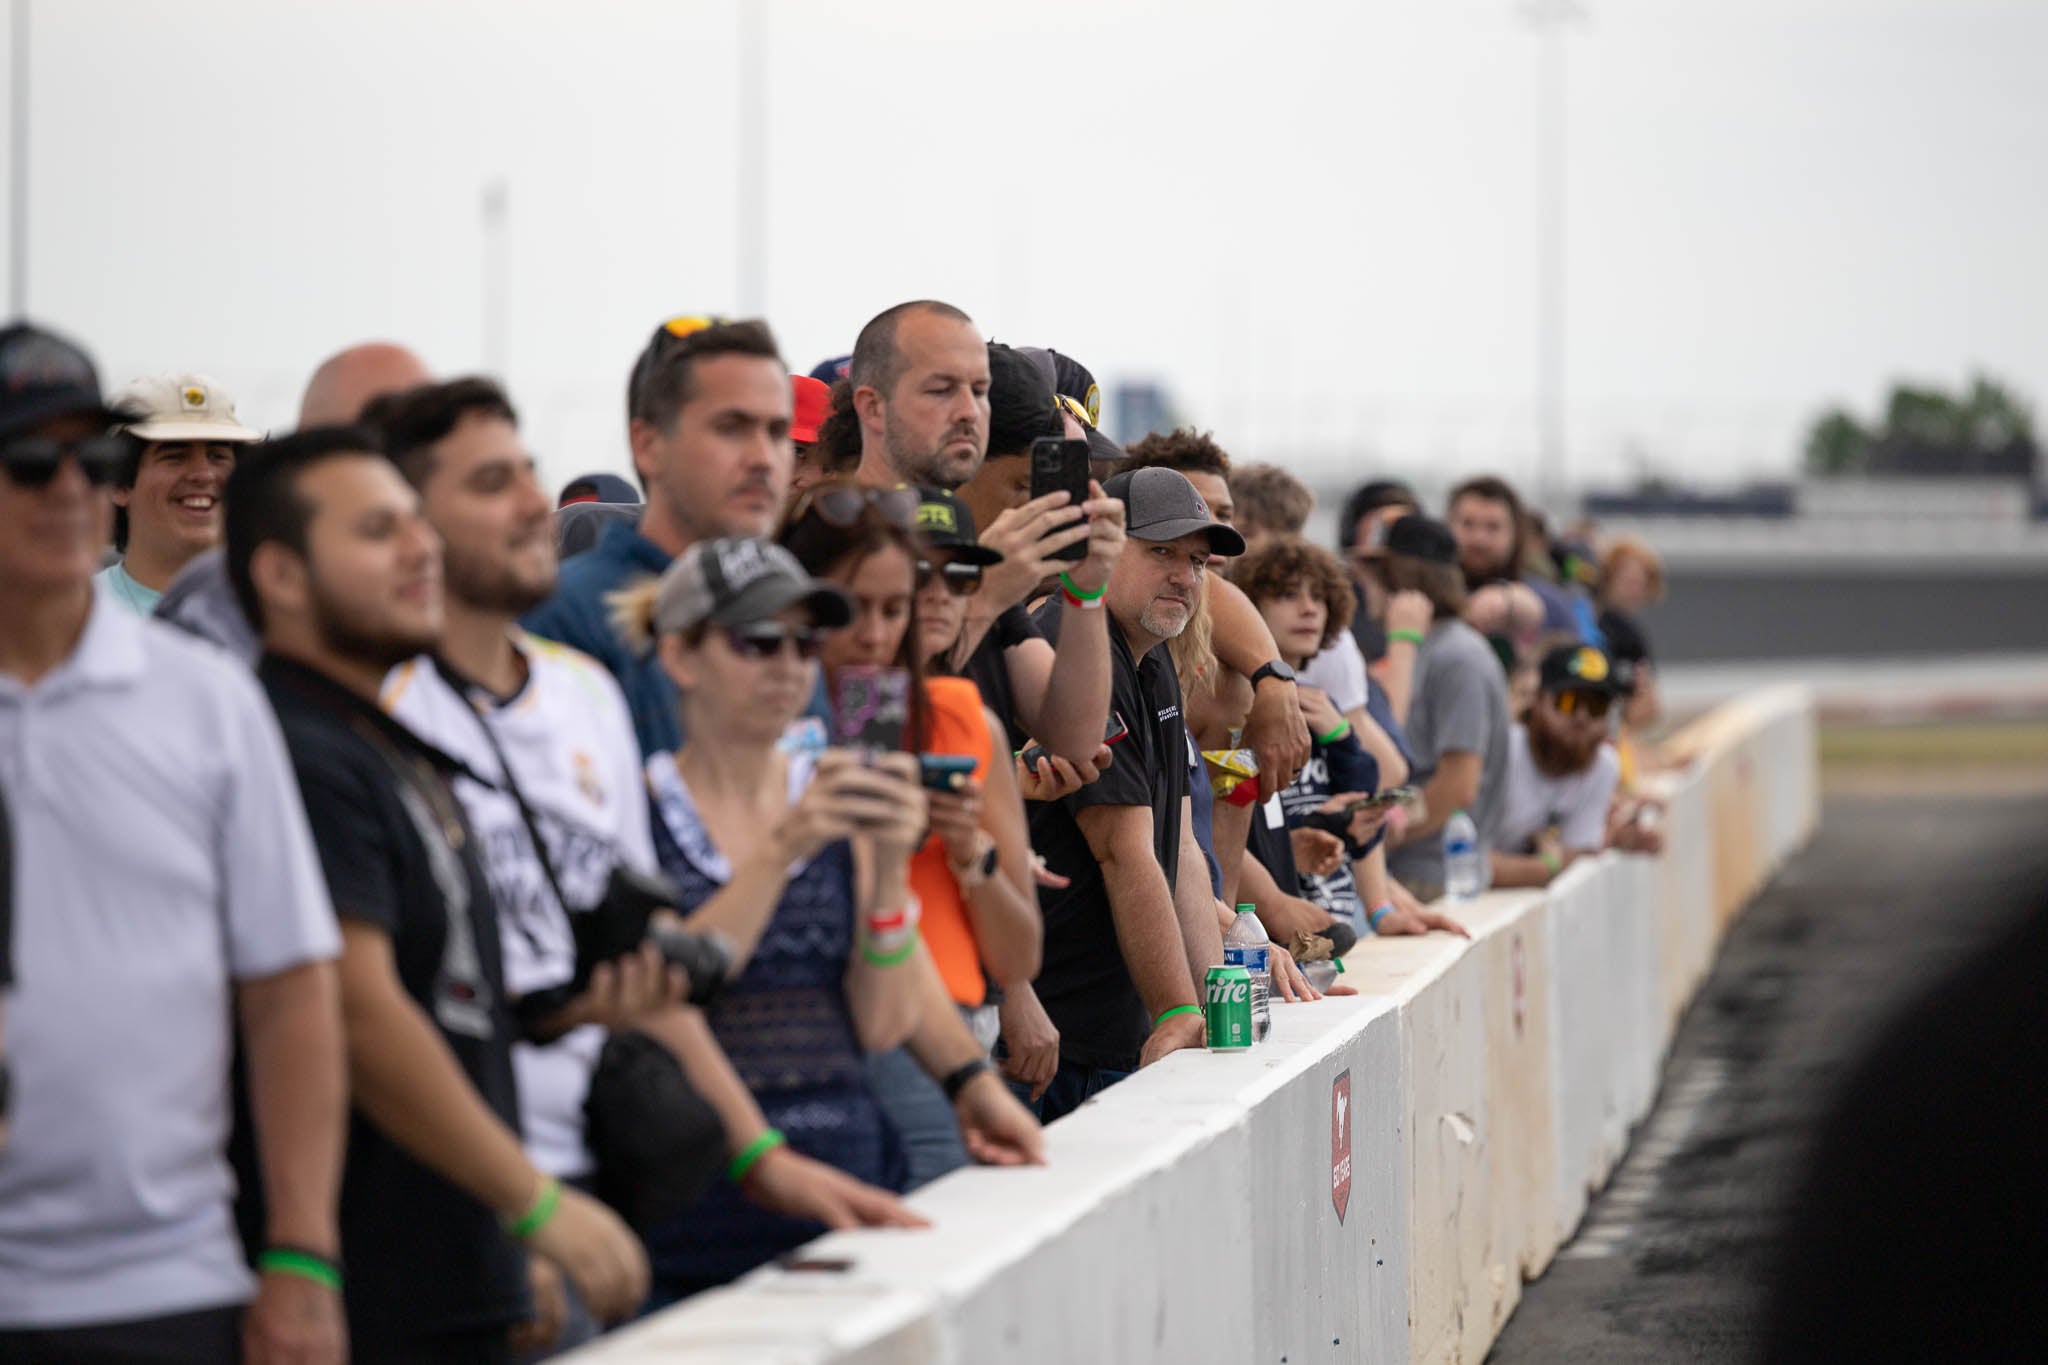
x=1280 y=669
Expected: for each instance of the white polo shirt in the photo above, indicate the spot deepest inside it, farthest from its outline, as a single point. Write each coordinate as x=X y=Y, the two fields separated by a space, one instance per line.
x=161 y=855
x=569 y=738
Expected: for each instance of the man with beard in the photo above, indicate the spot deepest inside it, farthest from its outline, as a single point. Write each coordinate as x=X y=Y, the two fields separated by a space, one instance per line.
x=708 y=408
x=1561 y=771
x=1128 y=938
x=171 y=908
x=1487 y=517
x=498 y=698
x=341 y=575
x=920 y=387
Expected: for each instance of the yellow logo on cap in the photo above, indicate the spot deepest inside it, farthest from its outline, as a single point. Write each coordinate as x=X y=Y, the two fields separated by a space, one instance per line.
x=1590 y=664
x=1092 y=400
x=195 y=397
x=936 y=516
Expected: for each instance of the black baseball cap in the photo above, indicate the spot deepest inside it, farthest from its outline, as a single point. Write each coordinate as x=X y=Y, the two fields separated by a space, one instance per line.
x=1578 y=668
x=1423 y=538
x=945 y=523
x=1020 y=403
x=1160 y=505
x=1067 y=376
x=43 y=376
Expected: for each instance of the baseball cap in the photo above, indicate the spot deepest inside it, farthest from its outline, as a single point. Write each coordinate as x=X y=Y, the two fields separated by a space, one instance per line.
x=1370 y=497
x=600 y=487
x=1578 y=668
x=1421 y=537
x=813 y=399
x=833 y=370
x=946 y=523
x=180 y=406
x=1101 y=450
x=1160 y=504
x=1068 y=376
x=733 y=581
x=44 y=376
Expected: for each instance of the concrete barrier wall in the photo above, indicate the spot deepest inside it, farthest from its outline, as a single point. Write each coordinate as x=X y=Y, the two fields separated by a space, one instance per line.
x=1374 y=1183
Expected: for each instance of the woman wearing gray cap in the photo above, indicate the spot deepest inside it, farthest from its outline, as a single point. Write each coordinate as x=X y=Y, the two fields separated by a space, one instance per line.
x=800 y=861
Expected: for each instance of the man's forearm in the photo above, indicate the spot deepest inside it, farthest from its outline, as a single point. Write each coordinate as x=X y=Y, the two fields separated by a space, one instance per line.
x=1240 y=636
x=298 y=1092
x=1075 y=708
x=1149 y=932
x=408 y=1083
x=1228 y=832
x=1197 y=910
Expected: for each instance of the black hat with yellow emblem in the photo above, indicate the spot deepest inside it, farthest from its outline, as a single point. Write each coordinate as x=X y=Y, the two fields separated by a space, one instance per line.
x=1578 y=668
x=945 y=523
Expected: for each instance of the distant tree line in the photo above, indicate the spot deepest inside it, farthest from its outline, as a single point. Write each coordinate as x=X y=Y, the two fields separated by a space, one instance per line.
x=1986 y=430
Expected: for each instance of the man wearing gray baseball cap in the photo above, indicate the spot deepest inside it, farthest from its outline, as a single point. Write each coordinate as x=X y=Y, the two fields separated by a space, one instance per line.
x=1126 y=941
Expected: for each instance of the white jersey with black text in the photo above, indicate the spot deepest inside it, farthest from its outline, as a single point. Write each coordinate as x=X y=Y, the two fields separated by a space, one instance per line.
x=568 y=737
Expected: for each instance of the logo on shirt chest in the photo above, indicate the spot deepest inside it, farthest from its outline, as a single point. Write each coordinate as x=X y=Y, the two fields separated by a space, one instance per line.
x=584 y=769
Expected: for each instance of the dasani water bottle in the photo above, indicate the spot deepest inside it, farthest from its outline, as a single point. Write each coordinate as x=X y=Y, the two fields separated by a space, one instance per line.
x=1465 y=870
x=1247 y=946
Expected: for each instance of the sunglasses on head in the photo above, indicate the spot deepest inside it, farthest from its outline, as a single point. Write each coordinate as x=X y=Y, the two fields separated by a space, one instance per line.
x=764 y=639
x=843 y=504
x=32 y=461
x=961 y=580
x=1592 y=705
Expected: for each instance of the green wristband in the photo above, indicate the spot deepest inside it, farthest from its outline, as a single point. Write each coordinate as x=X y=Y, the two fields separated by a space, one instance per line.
x=1343 y=729
x=304 y=1264
x=1413 y=637
x=750 y=1155
x=1165 y=1015
x=544 y=1205
x=891 y=958
x=1068 y=584
x=1550 y=860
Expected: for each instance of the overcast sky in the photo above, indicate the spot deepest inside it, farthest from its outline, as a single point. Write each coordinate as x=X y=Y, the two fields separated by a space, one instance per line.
x=1314 y=221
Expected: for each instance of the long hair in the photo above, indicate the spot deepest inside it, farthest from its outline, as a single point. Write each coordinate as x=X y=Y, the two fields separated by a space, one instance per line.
x=1194 y=650
x=826 y=551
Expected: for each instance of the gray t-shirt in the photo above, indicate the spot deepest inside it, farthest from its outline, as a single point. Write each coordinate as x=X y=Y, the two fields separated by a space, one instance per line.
x=1459 y=703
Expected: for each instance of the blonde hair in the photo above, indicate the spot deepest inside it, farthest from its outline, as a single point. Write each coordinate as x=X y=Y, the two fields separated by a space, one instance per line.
x=1194 y=650
x=631 y=610
x=1622 y=549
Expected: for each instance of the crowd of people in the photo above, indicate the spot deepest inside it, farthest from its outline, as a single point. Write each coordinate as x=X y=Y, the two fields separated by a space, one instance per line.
x=451 y=917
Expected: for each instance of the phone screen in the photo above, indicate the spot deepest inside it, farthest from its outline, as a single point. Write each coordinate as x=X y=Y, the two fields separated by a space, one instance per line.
x=1059 y=465
x=870 y=707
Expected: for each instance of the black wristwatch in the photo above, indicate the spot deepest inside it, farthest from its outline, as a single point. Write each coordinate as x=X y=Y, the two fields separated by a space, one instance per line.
x=1279 y=668
x=957 y=1079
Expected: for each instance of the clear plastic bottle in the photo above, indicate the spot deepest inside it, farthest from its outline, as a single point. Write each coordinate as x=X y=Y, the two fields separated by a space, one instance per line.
x=1247 y=946
x=1465 y=869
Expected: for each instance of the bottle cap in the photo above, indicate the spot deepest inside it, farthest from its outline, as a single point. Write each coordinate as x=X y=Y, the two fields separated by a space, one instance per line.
x=1246 y=908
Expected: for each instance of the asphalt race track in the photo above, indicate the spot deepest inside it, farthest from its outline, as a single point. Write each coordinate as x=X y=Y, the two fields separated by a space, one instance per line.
x=1671 y=1261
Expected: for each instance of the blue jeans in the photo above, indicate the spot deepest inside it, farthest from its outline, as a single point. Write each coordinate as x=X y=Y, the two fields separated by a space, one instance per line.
x=1072 y=1086
x=916 y=1107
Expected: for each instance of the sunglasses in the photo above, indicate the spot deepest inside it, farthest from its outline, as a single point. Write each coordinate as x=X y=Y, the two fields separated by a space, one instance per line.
x=765 y=639
x=1591 y=705
x=33 y=461
x=961 y=580
x=843 y=505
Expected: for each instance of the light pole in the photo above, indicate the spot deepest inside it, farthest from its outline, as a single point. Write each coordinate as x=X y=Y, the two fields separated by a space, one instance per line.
x=497 y=210
x=17 y=163
x=752 y=148
x=1550 y=19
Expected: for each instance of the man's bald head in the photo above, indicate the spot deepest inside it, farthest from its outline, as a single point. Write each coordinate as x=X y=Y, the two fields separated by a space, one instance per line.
x=347 y=380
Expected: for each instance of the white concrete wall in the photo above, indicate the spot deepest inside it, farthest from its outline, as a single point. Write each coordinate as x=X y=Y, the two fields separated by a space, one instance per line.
x=1187 y=1214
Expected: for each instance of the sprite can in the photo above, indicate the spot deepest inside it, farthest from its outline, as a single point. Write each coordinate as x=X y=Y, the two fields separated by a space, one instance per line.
x=1227 y=1008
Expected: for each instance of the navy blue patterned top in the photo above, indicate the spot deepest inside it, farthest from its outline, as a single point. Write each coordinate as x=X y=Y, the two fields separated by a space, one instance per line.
x=784 y=1023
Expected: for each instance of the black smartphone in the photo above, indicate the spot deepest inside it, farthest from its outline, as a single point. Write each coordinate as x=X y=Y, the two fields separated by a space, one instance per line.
x=1059 y=465
x=1111 y=733
x=945 y=772
x=870 y=707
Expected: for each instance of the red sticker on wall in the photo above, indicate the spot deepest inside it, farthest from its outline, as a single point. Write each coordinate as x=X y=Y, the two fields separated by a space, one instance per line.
x=1340 y=1143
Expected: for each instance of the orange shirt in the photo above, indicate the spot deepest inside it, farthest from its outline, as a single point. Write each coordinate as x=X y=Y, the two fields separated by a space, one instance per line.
x=957 y=725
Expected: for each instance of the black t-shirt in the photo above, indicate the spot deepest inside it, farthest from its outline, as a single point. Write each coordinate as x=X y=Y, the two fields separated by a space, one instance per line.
x=422 y=1257
x=1269 y=842
x=1084 y=985
x=989 y=667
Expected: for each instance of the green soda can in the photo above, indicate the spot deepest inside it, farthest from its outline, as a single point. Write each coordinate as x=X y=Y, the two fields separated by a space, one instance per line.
x=1227 y=1011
